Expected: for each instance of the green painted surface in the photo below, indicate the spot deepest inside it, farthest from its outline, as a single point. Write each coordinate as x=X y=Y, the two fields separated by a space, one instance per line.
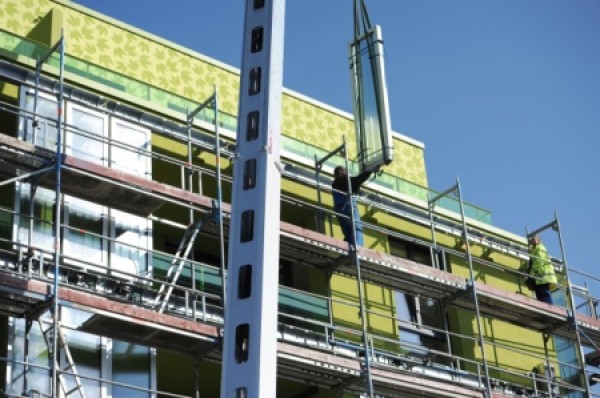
x=48 y=30
x=518 y=349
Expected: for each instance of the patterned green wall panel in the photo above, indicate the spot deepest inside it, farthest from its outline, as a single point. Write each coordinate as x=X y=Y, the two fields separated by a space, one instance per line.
x=325 y=128
x=21 y=16
x=130 y=52
x=409 y=162
x=315 y=125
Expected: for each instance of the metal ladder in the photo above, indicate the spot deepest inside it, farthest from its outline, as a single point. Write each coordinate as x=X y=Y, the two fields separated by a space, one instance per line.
x=181 y=256
x=70 y=367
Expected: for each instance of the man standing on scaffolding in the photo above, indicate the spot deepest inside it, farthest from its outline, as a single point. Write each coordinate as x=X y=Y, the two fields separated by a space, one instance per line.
x=342 y=203
x=541 y=268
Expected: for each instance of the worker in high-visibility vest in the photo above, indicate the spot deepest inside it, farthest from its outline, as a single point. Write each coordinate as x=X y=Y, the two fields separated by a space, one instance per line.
x=541 y=268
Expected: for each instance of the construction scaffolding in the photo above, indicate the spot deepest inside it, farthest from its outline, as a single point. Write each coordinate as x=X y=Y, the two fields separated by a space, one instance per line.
x=177 y=302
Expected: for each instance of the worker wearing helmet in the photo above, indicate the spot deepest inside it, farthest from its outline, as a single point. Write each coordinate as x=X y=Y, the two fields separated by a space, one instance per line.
x=541 y=269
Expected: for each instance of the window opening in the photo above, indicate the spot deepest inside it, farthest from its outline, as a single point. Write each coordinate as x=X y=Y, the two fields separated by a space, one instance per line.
x=247 y=226
x=255 y=75
x=128 y=148
x=242 y=337
x=418 y=318
x=245 y=281
x=257 y=39
x=44 y=134
x=252 y=126
x=249 y=174
x=88 y=140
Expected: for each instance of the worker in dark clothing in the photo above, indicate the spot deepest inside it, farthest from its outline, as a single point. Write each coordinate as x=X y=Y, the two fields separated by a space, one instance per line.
x=341 y=203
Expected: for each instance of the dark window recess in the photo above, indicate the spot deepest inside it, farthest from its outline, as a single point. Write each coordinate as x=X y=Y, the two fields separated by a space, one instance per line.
x=241 y=392
x=416 y=253
x=249 y=174
x=242 y=342
x=259 y=4
x=254 y=81
x=247 y=230
x=252 y=126
x=257 y=39
x=245 y=281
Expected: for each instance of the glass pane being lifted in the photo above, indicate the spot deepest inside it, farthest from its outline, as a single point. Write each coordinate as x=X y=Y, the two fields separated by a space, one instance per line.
x=371 y=112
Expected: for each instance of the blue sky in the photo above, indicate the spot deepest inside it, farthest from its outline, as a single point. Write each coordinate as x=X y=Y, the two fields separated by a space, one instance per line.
x=505 y=94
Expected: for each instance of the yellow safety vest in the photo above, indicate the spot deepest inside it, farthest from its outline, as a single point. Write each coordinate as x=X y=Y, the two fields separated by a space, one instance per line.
x=541 y=267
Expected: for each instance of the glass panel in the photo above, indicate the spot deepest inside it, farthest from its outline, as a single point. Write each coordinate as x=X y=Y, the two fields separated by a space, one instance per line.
x=208 y=278
x=131 y=157
x=416 y=316
x=131 y=236
x=406 y=313
x=86 y=142
x=130 y=364
x=86 y=356
x=41 y=227
x=85 y=227
x=566 y=354
x=370 y=137
x=302 y=304
x=44 y=134
x=37 y=378
x=85 y=351
x=405 y=308
x=371 y=113
x=570 y=372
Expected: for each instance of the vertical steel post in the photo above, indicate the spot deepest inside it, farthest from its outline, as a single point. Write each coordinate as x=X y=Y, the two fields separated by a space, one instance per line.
x=354 y=253
x=250 y=340
x=320 y=217
x=219 y=197
x=580 y=354
x=547 y=373
x=190 y=186
x=433 y=249
x=36 y=94
x=474 y=289
x=197 y=379
x=57 y=216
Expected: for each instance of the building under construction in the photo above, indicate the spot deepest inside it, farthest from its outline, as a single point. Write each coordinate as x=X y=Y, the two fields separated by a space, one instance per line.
x=116 y=156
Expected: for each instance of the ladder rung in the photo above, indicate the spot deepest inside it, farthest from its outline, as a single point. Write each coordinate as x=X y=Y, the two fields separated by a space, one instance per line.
x=71 y=391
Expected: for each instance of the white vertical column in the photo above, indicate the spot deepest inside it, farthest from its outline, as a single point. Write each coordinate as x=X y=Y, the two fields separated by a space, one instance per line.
x=250 y=340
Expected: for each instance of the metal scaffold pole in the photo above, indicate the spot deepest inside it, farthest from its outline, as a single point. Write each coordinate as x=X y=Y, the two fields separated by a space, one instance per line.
x=456 y=189
x=570 y=299
x=213 y=101
x=60 y=46
x=359 y=282
x=355 y=259
x=474 y=289
x=573 y=317
x=189 y=170
x=220 y=198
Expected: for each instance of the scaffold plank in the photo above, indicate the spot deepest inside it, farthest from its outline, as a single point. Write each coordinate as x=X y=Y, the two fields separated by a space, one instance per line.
x=111 y=318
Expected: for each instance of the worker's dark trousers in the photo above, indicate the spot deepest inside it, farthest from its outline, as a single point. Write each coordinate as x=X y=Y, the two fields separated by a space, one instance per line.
x=542 y=292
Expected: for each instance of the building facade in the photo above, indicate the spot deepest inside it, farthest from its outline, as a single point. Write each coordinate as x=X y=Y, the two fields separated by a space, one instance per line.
x=114 y=214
